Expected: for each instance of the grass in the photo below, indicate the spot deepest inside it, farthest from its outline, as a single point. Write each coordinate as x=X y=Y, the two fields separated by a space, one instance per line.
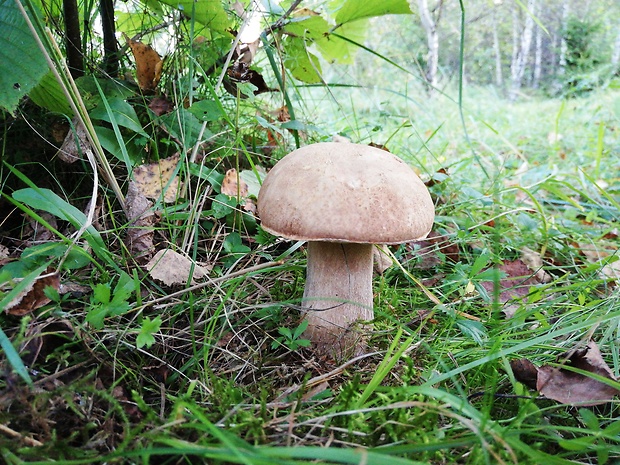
x=215 y=382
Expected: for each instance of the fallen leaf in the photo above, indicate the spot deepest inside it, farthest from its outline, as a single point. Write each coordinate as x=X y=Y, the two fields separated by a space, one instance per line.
x=161 y=105
x=525 y=372
x=153 y=178
x=428 y=250
x=33 y=297
x=514 y=285
x=381 y=259
x=233 y=185
x=240 y=73
x=148 y=64
x=534 y=262
x=602 y=251
x=172 y=268
x=567 y=386
x=140 y=230
x=71 y=149
x=38 y=233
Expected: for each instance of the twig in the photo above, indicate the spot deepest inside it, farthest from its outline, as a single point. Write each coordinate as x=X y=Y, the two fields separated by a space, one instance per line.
x=14 y=434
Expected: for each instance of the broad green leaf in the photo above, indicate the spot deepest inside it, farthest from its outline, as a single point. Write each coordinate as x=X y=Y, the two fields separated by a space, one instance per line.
x=308 y=27
x=352 y=10
x=47 y=200
x=48 y=94
x=577 y=444
x=210 y=13
x=302 y=64
x=184 y=126
x=107 y=139
x=123 y=113
x=334 y=48
x=206 y=110
x=223 y=205
x=133 y=23
x=23 y=64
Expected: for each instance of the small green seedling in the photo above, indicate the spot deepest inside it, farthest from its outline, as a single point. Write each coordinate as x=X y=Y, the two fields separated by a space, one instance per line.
x=291 y=339
x=104 y=303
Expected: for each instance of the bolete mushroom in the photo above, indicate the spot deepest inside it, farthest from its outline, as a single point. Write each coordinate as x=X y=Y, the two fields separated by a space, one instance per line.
x=342 y=199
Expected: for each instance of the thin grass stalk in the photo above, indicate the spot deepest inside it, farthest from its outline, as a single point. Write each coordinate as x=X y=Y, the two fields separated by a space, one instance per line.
x=67 y=84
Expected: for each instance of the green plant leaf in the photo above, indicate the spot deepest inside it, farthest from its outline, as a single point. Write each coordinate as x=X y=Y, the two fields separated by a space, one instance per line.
x=123 y=114
x=336 y=48
x=48 y=94
x=303 y=65
x=19 y=76
x=211 y=13
x=124 y=288
x=102 y=293
x=13 y=357
x=145 y=336
x=96 y=316
x=206 y=110
x=352 y=10
x=47 y=200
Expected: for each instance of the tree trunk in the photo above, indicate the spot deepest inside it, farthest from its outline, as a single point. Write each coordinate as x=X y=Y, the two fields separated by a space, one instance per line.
x=615 y=55
x=521 y=58
x=73 y=41
x=538 y=51
x=432 y=39
x=563 y=44
x=110 y=46
x=499 y=75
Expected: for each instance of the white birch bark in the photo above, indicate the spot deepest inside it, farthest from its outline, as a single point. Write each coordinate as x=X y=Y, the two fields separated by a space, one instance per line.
x=517 y=69
x=499 y=75
x=432 y=40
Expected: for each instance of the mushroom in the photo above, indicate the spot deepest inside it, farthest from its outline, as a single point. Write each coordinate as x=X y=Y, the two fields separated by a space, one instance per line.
x=342 y=199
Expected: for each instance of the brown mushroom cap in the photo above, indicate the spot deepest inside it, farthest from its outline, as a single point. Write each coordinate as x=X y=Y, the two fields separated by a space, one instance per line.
x=345 y=193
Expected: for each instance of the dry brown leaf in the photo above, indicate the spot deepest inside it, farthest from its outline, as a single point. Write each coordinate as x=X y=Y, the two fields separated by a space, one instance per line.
x=151 y=179
x=515 y=285
x=37 y=232
x=148 y=64
x=240 y=73
x=534 y=262
x=161 y=105
x=233 y=185
x=69 y=152
x=141 y=218
x=567 y=386
x=381 y=259
x=427 y=250
x=172 y=268
x=600 y=251
x=33 y=296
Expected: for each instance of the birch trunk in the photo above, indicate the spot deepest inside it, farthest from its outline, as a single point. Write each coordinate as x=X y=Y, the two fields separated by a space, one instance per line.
x=538 y=51
x=432 y=39
x=520 y=59
x=499 y=75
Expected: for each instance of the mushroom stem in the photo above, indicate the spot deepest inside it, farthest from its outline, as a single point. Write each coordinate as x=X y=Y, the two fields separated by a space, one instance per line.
x=338 y=293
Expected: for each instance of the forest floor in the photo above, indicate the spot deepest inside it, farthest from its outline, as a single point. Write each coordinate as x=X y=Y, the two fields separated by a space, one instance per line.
x=495 y=339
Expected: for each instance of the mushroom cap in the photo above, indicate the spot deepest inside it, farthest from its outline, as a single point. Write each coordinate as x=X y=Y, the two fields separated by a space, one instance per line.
x=338 y=192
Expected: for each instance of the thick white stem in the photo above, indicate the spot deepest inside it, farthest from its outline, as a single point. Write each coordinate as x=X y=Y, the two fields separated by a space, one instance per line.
x=338 y=294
